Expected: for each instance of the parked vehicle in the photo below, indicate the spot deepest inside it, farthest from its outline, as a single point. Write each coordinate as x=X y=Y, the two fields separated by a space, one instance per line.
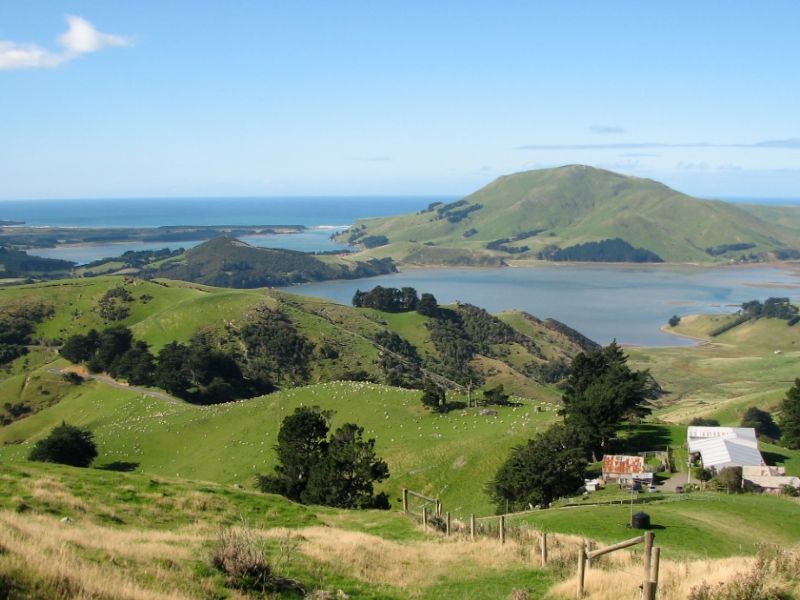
x=651 y=488
x=679 y=489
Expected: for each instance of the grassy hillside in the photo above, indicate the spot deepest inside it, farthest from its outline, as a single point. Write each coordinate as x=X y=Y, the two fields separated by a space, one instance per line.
x=573 y=205
x=97 y=534
x=750 y=365
x=229 y=262
x=344 y=338
x=451 y=456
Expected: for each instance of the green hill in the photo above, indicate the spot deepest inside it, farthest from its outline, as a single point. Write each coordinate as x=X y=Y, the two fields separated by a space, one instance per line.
x=576 y=213
x=228 y=262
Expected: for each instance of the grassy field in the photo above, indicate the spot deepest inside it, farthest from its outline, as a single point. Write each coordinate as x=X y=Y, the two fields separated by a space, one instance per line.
x=695 y=525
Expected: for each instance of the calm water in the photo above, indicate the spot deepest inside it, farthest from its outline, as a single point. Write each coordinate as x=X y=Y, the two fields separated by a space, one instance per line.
x=311 y=240
x=602 y=302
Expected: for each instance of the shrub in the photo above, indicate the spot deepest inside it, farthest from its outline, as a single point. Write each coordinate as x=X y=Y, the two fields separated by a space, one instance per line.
x=67 y=445
x=239 y=556
x=674 y=320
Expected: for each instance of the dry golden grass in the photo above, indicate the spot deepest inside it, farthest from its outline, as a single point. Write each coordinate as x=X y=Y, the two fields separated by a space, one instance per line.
x=413 y=565
x=57 y=554
x=53 y=492
x=677 y=579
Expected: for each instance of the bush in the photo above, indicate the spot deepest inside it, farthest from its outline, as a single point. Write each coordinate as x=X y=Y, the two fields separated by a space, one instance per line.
x=674 y=320
x=239 y=556
x=66 y=445
x=703 y=422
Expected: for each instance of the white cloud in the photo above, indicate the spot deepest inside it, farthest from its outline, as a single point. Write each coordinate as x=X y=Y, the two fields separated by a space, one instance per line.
x=80 y=38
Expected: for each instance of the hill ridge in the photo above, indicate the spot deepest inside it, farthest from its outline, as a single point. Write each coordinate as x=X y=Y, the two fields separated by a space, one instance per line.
x=534 y=214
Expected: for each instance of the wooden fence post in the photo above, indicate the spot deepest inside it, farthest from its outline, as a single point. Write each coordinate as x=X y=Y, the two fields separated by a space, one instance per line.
x=648 y=552
x=405 y=500
x=581 y=570
x=425 y=517
x=651 y=586
x=543 y=546
x=502 y=529
x=472 y=527
x=438 y=508
x=447 y=524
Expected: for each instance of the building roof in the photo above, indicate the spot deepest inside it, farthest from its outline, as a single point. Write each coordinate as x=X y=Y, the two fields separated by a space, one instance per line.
x=620 y=463
x=698 y=432
x=722 y=447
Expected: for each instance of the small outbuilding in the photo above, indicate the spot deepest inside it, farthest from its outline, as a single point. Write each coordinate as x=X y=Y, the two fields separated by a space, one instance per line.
x=625 y=470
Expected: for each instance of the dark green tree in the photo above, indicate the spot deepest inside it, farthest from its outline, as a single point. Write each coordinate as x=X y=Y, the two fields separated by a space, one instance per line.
x=171 y=373
x=113 y=342
x=790 y=416
x=427 y=305
x=80 y=348
x=600 y=393
x=762 y=422
x=347 y=472
x=496 y=396
x=730 y=479
x=67 y=445
x=434 y=397
x=547 y=467
x=135 y=365
x=301 y=445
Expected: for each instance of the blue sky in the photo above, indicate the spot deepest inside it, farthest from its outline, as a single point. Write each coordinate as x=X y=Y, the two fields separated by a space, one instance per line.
x=129 y=99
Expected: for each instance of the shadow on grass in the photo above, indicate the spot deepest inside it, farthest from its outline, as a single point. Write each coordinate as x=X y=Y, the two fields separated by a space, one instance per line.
x=775 y=458
x=120 y=465
x=642 y=438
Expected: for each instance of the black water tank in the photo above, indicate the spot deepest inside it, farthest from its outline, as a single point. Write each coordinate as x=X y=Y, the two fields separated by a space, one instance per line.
x=640 y=520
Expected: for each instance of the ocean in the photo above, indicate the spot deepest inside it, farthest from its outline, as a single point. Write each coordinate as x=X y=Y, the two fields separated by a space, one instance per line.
x=156 y=212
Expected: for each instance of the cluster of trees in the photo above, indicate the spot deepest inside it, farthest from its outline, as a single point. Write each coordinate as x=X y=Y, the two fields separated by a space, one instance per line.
x=503 y=243
x=396 y=300
x=600 y=393
x=114 y=305
x=771 y=308
x=17 y=324
x=197 y=372
x=456 y=211
x=374 y=241
x=275 y=350
x=723 y=248
x=611 y=250
x=313 y=468
x=399 y=361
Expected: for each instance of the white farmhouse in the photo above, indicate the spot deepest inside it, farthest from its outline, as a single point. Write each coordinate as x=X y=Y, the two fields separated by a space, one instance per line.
x=721 y=447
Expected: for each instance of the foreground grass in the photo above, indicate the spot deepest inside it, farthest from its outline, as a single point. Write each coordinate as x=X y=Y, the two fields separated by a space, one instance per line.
x=68 y=532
